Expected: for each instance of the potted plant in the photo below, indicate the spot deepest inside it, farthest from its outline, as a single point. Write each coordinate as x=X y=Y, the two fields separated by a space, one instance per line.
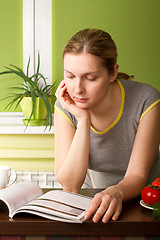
x=35 y=96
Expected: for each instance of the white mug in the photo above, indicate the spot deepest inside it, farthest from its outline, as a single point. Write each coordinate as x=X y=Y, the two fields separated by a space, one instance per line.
x=5 y=173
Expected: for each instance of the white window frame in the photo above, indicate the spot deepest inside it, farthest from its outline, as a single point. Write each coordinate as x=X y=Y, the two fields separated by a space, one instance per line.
x=37 y=37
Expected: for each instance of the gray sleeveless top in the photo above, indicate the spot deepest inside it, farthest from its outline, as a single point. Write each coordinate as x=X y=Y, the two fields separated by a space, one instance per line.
x=110 y=150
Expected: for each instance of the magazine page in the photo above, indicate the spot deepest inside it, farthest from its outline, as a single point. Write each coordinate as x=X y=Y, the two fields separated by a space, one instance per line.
x=58 y=205
x=19 y=194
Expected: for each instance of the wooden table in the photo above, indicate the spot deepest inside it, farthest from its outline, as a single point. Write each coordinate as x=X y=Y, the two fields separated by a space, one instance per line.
x=134 y=221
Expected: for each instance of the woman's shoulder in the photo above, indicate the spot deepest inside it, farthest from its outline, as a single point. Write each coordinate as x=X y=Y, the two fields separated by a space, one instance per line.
x=58 y=104
x=139 y=97
x=65 y=113
x=139 y=89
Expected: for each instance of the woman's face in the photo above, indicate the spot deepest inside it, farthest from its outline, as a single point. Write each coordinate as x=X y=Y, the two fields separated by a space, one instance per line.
x=86 y=78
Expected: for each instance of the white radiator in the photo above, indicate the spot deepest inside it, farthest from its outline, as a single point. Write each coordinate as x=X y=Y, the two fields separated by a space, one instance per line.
x=43 y=179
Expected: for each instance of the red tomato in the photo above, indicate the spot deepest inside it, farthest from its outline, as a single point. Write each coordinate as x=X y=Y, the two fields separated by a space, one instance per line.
x=150 y=195
x=156 y=183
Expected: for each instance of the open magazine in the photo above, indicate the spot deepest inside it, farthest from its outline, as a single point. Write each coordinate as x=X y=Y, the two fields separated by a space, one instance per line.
x=59 y=205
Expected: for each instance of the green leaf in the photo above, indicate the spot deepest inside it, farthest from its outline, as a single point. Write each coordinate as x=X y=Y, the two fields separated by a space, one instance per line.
x=20 y=99
x=15 y=98
x=156 y=211
x=37 y=77
x=33 y=95
x=5 y=72
x=22 y=75
x=17 y=88
x=38 y=65
x=28 y=66
x=19 y=69
x=44 y=98
x=48 y=89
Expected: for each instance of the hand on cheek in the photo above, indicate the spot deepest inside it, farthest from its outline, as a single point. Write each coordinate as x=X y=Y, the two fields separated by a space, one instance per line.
x=60 y=90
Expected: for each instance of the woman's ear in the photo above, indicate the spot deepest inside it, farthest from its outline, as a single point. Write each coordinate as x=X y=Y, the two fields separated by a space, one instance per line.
x=115 y=72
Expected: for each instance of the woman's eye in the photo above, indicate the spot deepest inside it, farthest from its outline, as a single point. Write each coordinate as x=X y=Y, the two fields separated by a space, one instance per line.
x=91 y=78
x=70 y=76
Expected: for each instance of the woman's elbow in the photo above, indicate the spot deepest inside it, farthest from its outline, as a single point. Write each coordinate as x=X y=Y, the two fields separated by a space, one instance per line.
x=67 y=185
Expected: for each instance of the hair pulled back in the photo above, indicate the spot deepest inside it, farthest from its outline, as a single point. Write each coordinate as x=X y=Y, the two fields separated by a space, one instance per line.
x=96 y=42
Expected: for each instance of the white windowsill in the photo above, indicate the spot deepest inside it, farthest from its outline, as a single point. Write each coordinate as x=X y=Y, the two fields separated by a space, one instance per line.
x=11 y=123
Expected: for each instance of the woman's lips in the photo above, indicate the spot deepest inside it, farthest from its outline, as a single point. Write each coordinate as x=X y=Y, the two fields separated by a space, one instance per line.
x=80 y=100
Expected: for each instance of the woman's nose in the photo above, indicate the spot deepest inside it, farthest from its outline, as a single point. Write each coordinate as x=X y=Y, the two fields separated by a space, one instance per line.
x=79 y=86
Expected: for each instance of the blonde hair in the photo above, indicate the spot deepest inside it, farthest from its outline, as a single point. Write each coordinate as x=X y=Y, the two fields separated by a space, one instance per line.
x=96 y=42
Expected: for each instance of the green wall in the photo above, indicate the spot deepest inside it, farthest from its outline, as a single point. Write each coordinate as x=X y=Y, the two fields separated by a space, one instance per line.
x=11 y=43
x=133 y=24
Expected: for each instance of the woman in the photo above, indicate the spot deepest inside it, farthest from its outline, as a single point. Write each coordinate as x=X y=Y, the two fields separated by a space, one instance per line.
x=107 y=131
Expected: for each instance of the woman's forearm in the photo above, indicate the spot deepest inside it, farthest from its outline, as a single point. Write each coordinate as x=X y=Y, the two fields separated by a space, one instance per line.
x=131 y=186
x=72 y=172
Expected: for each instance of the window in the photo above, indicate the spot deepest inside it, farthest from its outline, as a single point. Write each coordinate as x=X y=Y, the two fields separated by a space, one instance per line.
x=37 y=37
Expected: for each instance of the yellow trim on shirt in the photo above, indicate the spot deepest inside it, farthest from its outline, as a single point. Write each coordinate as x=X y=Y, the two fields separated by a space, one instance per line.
x=62 y=113
x=120 y=111
x=149 y=108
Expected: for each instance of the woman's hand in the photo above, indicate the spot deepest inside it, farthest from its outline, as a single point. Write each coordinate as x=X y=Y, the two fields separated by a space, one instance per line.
x=107 y=203
x=68 y=104
x=63 y=96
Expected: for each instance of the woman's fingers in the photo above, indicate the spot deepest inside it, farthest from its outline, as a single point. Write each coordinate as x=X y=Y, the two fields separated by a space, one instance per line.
x=105 y=206
x=60 y=89
x=93 y=206
x=113 y=211
x=101 y=210
x=98 y=205
x=63 y=96
x=117 y=212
